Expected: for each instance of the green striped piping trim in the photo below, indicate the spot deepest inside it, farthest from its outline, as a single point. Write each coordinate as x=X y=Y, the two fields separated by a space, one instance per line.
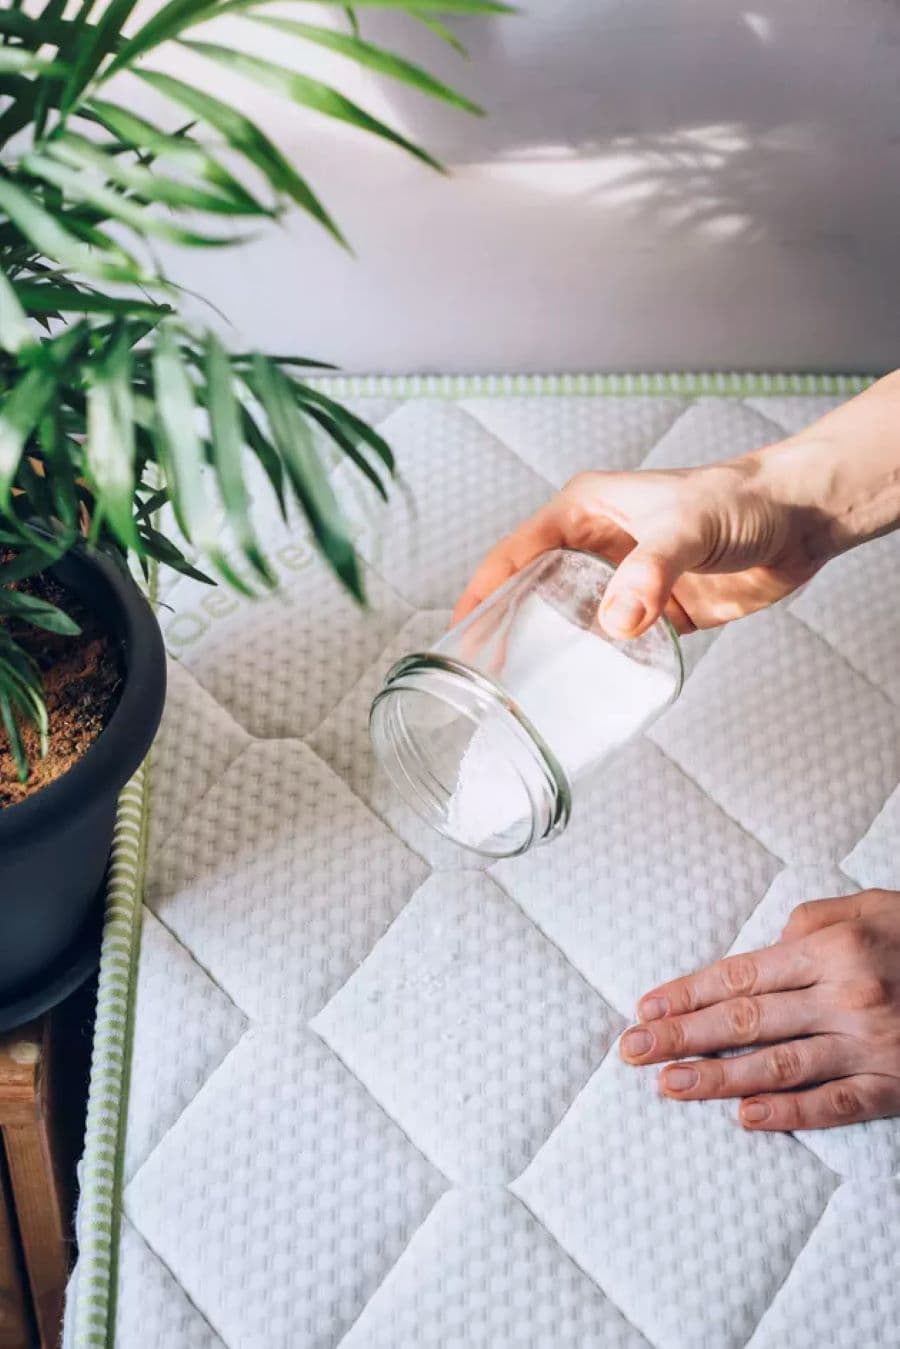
x=718 y=385
x=101 y=1179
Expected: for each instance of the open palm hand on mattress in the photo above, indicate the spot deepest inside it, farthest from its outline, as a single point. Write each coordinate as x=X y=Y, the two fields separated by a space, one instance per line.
x=707 y=546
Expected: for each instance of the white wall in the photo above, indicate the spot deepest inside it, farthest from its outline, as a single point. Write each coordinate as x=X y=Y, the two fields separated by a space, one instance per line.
x=659 y=184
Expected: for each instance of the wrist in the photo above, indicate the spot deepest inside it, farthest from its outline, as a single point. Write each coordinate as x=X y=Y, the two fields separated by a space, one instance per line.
x=838 y=482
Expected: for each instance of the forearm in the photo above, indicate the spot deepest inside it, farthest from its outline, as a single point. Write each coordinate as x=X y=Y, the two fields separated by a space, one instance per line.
x=841 y=476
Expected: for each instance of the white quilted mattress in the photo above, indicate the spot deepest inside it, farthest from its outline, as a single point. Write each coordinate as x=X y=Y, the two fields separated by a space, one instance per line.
x=375 y=1096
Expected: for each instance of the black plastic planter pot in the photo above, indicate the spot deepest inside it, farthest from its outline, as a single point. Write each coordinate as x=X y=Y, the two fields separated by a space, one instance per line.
x=54 y=846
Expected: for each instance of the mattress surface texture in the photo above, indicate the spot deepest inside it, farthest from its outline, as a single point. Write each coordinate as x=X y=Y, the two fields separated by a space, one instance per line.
x=375 y=1098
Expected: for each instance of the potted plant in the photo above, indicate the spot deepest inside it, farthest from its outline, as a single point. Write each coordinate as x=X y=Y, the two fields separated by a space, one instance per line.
x=114 y=410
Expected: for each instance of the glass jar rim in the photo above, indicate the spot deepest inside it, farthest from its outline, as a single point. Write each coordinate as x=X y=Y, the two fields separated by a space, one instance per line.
x=546 y=823
x=428 y=780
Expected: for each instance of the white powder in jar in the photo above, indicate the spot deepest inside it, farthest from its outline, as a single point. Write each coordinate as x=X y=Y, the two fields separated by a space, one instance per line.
x=490 y=796
x=585 y=697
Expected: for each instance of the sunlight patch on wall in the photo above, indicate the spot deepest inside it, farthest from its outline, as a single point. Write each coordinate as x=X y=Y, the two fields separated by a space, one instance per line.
x=760 y=24
x=630 y=170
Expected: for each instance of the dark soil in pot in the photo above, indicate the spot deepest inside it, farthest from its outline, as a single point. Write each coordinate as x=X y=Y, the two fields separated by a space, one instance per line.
x=82 y=680
x=55 y=843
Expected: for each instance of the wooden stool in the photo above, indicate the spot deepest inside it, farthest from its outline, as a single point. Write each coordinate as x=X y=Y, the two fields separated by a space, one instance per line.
x=41 y=1121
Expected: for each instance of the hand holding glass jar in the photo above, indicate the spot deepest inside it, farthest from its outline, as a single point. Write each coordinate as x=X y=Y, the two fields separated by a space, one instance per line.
x=709 y=545
x=705 y=546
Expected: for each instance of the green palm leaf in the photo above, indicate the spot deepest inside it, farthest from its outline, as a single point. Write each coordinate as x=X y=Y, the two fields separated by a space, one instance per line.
x=35 y=31
x=181 y=452
x=48 y=236
x=353 y=426
x=142 y=136
x=178 y=16
x=167 y=23
x=227 y=442
x=94 y=46
x=78 y=186
x=21 y=411
x=306 y=92
x=305 y=472
x=365 y=54
x=109 y=448
x=23 y=62
x=20 y=699
x=15 y=331
x=414 y=7
x=50 y=297
x=441 y=31
x=110 y=406
x=60 y=458
x=39 y=613
x=247 y=139
x=148 y=186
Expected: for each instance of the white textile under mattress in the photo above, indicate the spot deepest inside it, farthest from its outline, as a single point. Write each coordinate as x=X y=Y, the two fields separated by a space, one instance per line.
x=375 y=1097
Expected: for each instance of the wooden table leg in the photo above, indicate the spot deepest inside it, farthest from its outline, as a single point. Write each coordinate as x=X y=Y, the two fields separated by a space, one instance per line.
x=16 y=1327
x=30 y=1140
x=42 y=1224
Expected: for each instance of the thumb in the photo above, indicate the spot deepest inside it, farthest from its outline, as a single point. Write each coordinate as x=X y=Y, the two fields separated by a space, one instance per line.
x=640 y=589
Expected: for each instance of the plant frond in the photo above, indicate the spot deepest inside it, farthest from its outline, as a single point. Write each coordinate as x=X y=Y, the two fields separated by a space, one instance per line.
x=113 y=412
x=305 y=472
x=308 y=93
x=244 y=136
x=110 y=444
x=368 y=55
x=21 y=699
x=49 y=237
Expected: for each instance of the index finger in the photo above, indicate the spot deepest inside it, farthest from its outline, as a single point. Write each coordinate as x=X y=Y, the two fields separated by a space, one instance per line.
x=537 y=535
x=775 y=969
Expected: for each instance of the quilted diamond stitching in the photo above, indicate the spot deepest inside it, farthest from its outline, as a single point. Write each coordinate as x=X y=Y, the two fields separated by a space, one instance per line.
x=687 y=1222
x=469 y=1028
x=618 y=873
x=323 y=1190
x=152 y=1309
x=875 y=861
x=197 y=740
x=279 y=664
x=849 y=604
x=481 y=1273
x=256 y=889
x=426 y=543
x=711 y=429
x=806 y=770
x=843 y=1289
x=794 y=412
x=184 y=1027
x=560 y=437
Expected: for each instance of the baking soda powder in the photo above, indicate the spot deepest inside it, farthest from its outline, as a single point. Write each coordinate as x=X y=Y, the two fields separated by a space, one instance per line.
x=585 y=696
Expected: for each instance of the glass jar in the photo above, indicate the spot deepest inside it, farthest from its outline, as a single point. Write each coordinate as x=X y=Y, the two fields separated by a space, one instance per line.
x=486 y=733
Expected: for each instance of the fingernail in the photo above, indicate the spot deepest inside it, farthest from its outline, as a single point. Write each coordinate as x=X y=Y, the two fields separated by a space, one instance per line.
x=623 y=613
x=637 y=1043
x=680 y=1079
x=651 y=1009
x=755 y=1112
